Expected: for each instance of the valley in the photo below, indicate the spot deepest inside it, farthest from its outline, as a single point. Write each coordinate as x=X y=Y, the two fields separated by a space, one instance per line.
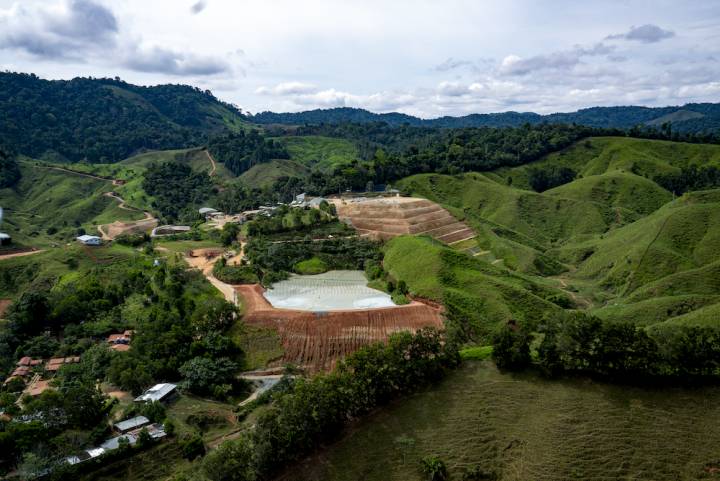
x=336 y=300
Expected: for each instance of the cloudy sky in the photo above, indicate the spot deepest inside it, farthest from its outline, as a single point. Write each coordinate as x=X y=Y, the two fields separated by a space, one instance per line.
x=422 y=57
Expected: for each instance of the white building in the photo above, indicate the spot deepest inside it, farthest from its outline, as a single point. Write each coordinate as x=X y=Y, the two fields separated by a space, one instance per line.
x=159 y=392
x=89 y=240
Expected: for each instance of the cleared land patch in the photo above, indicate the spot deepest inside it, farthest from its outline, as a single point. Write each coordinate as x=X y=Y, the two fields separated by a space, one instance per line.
x=316 y=340
x=523 y=427
x=388 y=217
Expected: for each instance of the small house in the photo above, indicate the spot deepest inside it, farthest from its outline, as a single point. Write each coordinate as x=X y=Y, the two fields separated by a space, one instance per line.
x=164 y=392
x=131 y=424
x=120 y=342
x=56 y=363
x=89 y=240
x=5 y=239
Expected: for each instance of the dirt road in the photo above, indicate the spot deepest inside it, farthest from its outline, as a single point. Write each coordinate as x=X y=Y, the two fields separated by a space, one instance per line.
x=206 y=266
x=113 y=230
x=212 y=161
x=20 y=254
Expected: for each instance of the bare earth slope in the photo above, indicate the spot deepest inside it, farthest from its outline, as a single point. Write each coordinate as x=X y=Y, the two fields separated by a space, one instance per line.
x=388 y=217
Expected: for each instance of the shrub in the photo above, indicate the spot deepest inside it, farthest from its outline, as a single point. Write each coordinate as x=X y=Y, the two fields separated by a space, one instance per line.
x=434 y=468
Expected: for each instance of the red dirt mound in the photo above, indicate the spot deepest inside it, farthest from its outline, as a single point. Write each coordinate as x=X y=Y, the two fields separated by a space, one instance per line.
x=384 y=218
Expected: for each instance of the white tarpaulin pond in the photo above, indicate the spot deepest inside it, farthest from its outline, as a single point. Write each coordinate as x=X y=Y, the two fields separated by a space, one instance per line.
x=331 y=291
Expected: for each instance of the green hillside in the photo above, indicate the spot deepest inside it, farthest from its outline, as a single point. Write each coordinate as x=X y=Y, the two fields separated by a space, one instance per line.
x=476 y=294
x=265 y=174
x=600 y=155
x=486 y=424
x=619 y=190
x=323 y=153
x=628 y=250
x=49 y=205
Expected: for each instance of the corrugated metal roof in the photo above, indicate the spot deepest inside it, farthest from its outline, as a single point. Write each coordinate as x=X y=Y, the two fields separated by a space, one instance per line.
x=157 y=393
x=132 y=423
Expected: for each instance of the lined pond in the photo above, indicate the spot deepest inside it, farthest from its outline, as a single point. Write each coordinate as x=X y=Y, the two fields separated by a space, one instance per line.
x=331 y=291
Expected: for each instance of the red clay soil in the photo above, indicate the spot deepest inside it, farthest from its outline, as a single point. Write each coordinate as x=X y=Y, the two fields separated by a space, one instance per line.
x=4 y=304
x=317 y=340
x=385 y=218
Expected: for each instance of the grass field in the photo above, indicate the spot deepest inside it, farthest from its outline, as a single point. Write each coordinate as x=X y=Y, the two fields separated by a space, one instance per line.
x=49 y=206
x=621 y=243
x=265 y=174
x=479 y=293
x=600 y=155
x=523 y=427
x=322 y=153
x=44 y=269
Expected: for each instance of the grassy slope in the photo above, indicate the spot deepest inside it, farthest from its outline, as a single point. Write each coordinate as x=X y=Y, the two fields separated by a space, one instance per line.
x=524 y=427
x=619 y=190
x=44 y=269
x=601 y=155
x=265 y=174
x=620 y=235
x=45 y=198
x=481 y=294
x=516 y=225
x=323 y=153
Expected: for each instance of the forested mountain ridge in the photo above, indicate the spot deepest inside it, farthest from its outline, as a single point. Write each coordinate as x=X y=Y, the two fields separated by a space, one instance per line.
x=689 y=118
x=105 y=120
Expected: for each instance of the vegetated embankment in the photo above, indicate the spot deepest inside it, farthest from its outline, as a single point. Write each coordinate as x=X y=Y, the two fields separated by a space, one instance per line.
x=317 y=340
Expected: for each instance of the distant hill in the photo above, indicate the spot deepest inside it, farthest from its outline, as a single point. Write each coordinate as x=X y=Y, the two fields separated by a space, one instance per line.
x=690 y=118
x=105 y=120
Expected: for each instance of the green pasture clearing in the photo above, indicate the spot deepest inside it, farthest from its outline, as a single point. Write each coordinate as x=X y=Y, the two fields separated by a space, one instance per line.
x=261 y=345
x=266 y=174
x=318 y=152
x=598 y=155
x=523 y=427
x=311 y=266
x=48 y=206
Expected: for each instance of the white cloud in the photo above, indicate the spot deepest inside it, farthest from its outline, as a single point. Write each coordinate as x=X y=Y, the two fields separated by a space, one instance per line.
x=421 y=57
x=287 y=88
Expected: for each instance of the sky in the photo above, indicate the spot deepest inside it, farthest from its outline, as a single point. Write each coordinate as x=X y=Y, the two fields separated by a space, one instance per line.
x=422 y=57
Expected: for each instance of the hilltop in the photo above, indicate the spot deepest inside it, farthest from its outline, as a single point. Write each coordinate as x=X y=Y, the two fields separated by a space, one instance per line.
x=695 y=118
x=613 y=235
x=105 y=120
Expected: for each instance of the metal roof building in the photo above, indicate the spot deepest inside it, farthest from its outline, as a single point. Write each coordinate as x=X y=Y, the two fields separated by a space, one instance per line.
x=89 y=240
x=158 y=392
x=132 y=423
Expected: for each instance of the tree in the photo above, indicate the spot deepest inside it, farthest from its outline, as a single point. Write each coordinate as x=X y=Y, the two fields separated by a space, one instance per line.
x=214 y=315
x=231 y=461
x=83 y=405
x=201 y=374
x=511 y=347
x=192 y=447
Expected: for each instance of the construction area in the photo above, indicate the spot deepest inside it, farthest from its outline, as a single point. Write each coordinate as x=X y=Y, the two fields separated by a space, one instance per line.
x=316 y=340
x=387 y=217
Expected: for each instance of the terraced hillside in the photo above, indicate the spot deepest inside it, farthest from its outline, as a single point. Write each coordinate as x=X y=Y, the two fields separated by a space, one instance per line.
x=385 y=218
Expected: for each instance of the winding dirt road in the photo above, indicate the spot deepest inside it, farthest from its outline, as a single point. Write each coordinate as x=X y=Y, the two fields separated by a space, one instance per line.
x=212 y=161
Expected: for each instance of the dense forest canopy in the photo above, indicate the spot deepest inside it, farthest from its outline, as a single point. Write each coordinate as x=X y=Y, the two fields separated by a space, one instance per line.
x=9 y=171
x=104 y=120
x=690 y=118
x=240 y=151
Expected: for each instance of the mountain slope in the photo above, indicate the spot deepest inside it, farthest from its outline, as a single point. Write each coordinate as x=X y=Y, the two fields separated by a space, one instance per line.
x=696 y=118
x=105 y=120
x=51 y=205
